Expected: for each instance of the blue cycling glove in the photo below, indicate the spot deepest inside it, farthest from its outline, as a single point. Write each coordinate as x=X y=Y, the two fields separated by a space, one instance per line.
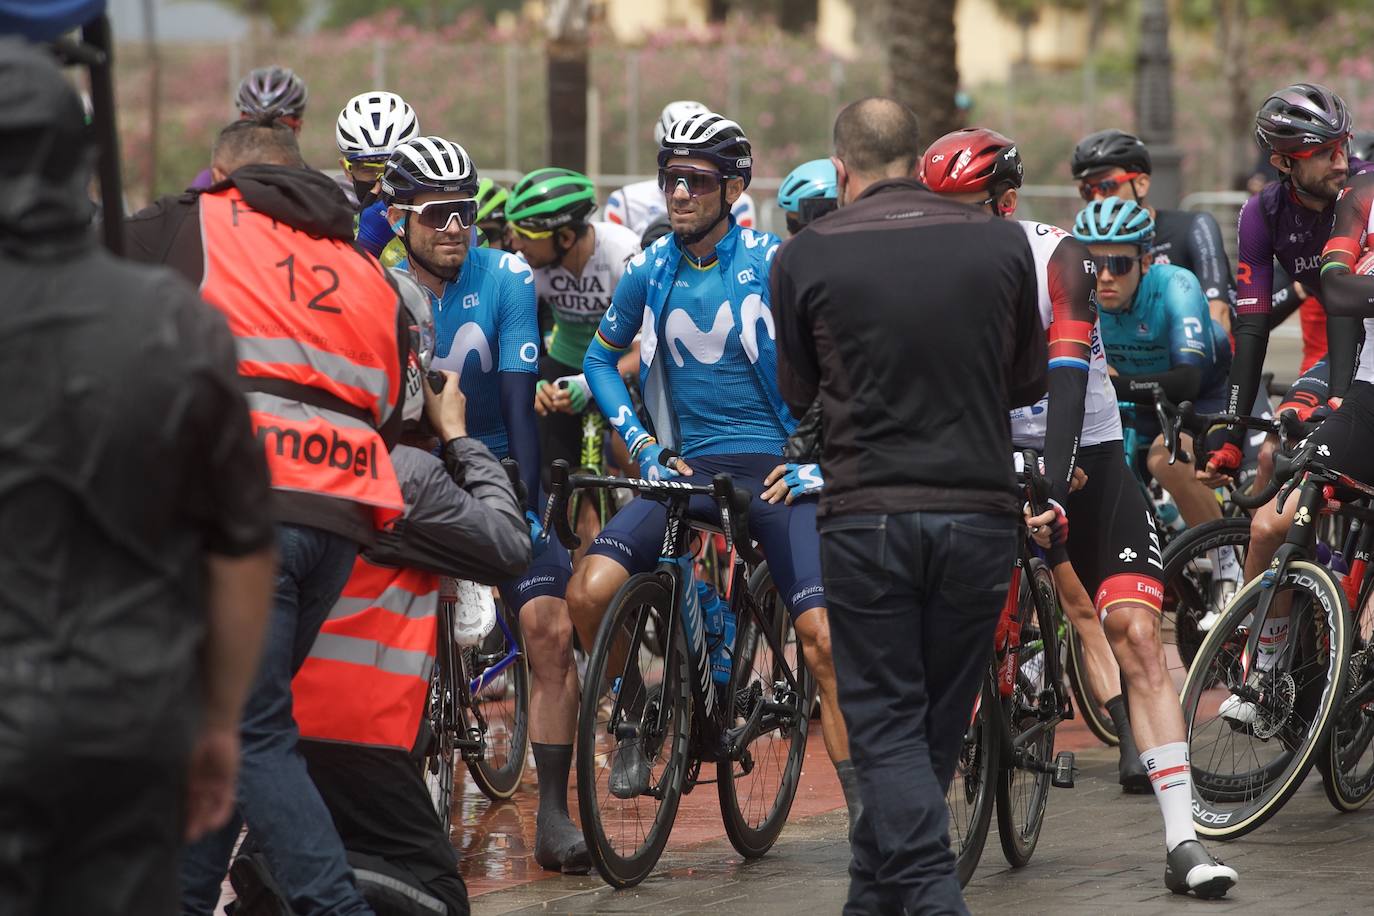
x=374 y=232
x=539 y=538
x=651 y=457
x=803 y=479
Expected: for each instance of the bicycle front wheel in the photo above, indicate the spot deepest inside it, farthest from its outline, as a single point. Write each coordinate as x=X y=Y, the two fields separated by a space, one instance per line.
x=971 y=795
x=632 y=734
x=757 y=790
x=1023 y=788
x=1347 y=766
x=1255 y=722
x=500 y=707
x=1195 y=591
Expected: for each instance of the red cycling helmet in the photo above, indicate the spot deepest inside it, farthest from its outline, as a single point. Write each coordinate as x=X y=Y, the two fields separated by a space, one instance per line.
x=973 y=159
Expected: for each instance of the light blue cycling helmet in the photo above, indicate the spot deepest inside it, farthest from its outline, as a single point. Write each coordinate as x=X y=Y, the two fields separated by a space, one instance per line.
x=810 y=179
x=1112 y=220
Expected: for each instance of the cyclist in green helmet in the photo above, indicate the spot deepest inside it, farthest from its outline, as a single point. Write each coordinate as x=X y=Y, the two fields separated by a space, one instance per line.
x=491 y=214
x=577 y=264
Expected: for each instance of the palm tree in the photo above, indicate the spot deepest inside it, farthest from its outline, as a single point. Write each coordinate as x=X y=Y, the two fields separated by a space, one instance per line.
x=921 y=66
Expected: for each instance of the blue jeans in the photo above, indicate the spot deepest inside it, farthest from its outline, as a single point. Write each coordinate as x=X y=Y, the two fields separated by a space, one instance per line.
x=289 y=822
x=914 y=601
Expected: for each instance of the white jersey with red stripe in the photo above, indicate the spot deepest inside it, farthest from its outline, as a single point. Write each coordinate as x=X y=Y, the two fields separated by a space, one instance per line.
x=1065 y=295
x=637 y=205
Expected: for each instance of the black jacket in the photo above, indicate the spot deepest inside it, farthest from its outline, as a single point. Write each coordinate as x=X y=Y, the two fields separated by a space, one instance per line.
x=168 y=232
x=914 y=318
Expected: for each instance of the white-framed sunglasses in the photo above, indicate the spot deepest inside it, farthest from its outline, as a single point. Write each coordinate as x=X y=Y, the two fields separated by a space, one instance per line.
x=437 y=214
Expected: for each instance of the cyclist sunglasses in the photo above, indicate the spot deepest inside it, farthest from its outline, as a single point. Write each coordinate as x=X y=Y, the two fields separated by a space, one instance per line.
x=698 y=182
x=438 y=214
x=1089 y=190
x=1324 y=149
x=532 y=234
x=365 y=169
x=1118 y=265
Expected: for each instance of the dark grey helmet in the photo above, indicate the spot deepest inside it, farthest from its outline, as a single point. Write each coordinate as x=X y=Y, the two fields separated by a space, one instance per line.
x=1108 y=149
x=1299 y=117
x=269 y=93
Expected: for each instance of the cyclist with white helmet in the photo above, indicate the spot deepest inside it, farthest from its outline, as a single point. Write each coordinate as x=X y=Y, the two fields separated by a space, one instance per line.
x=369 y=127
x=638 y=205
x=487 y=332
x=267 y=94
x=701 y=298
x=577 y=264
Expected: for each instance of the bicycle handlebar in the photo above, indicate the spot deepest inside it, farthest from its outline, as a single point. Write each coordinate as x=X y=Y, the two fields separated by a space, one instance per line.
x=732 y=502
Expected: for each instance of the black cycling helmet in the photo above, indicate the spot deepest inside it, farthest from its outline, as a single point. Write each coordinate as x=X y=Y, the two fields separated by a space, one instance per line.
x=426 y=164
x=1300 y=117
x=709 y=136
x=269 y=93
x=1107 y=149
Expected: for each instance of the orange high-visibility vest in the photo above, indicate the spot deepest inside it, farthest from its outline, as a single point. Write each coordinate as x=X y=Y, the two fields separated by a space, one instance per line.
x=314 y=322
x=366 y=678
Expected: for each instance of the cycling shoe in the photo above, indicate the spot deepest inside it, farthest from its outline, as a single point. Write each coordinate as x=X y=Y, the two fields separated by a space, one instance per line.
x=1190 y=868
x=629 y=769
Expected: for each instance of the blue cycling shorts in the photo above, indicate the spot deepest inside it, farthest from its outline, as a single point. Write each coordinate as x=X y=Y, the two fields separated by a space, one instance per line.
x=547 y=576
x=787 y=534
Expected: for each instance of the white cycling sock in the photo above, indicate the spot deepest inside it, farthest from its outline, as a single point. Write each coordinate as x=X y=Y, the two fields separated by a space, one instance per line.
x=1273 y=637
x=1172 y=781
x=1224 y=563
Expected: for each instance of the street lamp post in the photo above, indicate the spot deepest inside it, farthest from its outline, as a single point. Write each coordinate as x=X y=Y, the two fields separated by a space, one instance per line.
x=1154 y=103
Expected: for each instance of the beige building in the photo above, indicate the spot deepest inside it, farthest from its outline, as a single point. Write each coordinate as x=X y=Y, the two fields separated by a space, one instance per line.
x=1058 y=38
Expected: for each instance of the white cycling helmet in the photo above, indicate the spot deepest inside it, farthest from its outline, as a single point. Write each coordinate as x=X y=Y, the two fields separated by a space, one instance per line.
x=373 y=124
x=675 y=111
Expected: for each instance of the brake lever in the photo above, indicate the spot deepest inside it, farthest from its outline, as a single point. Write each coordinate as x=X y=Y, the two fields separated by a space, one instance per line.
x=1285 y=491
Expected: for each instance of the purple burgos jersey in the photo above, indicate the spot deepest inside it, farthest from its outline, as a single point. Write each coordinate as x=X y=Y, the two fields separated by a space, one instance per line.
x=1275 y=226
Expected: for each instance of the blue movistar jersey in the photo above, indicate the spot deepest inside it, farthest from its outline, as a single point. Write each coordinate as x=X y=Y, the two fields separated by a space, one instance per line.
x=1168 y=324
x=487 y=323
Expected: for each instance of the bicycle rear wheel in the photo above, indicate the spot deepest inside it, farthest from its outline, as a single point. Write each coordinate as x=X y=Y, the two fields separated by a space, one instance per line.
x=632 y=702
x=756 y=793
x=971 y=795
x=438 y=766
x=1193 y=589
x=1023 y=787
x=500 y=707
x=1255 y=726
x=1347 y=766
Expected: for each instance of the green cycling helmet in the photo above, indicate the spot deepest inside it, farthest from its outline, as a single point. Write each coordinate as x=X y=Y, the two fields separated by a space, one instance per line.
x=1112 y=220
x=550 y=198
x=491 y=201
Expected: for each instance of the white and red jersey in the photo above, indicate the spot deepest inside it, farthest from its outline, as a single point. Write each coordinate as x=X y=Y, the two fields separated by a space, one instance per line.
x=1066 y=291
x=637 y=205
x=1348 y=246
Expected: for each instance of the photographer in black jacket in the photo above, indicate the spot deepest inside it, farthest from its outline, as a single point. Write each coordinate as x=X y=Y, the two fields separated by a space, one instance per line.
x=920 y=315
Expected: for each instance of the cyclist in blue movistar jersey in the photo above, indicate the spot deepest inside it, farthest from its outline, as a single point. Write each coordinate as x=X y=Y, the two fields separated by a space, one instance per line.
x=487 y=331
x=1160 y=338
x=708 y=371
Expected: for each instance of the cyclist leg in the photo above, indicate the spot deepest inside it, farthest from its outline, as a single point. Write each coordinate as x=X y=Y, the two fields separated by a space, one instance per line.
x=1089 y=530
x=1130 y=600
x=1196 y=502
x=536 y=598
x=560 y=434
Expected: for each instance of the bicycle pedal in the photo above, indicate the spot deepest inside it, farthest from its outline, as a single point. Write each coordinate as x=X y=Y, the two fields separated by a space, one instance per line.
x=1063 y=770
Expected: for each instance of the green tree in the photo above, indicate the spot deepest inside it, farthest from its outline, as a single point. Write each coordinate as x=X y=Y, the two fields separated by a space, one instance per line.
x=427 y=13
x=282 y=16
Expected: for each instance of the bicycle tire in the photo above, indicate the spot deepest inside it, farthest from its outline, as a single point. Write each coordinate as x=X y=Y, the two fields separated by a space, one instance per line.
x=752 y=838
x=1023 y=792
x=438 y=768
x=497 y=772
x=972 y=792
x=1347 y=766
x=1299 y=715
x=1085 y=699
x=1187 y=578
x=618 y=864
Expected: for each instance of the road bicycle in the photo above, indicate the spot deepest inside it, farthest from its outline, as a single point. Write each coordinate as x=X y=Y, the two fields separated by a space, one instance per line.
x=668 y=712
x=1268 y=686
x=1008 y=752
x=478 y=708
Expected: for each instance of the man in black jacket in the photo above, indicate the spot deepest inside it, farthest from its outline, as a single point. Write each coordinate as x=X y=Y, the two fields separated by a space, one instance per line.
x=135 y=538
x=322 y=347
x=920 y=315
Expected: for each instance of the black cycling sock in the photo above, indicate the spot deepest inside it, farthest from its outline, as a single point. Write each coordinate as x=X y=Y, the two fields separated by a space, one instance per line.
x=558 y=843
x=849 y=782
x=1132 y=773
x=1116 y=708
